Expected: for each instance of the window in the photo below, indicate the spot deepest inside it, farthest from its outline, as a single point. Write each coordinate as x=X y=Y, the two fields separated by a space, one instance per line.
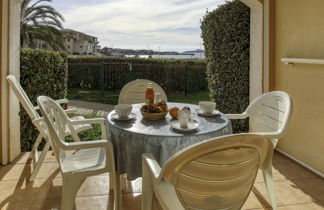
x=68 y=46
x=81 y=46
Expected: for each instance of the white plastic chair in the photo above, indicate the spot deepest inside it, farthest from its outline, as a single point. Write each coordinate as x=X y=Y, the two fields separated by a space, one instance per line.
x=90 y=157
x=215 y=174
x=269 y=115
x=134 y=92
x=40 y=125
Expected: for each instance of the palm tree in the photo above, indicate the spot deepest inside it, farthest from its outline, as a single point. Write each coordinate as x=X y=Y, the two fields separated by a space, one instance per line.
x=40 y=21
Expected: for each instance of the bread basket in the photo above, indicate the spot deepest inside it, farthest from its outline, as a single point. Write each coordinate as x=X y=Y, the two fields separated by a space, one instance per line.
x=153 y=116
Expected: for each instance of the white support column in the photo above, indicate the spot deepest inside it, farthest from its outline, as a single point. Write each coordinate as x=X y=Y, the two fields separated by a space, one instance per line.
x=256 y=47
x=14 y=68
x=10 y=64
x=266 y=45
x=4 y=67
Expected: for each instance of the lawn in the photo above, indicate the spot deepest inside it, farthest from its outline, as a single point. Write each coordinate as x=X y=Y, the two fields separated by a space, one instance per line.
x=109 y=97
x=106 y=97
x=87 y=135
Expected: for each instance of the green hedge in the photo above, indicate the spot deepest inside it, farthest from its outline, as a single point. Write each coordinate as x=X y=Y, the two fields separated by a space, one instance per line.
x=226 y=36
x=41 y=73
x=108 y=73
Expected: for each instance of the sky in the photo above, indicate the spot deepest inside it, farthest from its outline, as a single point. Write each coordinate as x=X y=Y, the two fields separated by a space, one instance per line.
x=165 y=25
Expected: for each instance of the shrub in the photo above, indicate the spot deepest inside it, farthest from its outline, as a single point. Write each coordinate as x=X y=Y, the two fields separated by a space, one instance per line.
x=41 y=73
x=107 y=73
x=226 y=36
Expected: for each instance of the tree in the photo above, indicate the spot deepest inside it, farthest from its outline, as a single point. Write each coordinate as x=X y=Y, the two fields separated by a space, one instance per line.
x=41 y=21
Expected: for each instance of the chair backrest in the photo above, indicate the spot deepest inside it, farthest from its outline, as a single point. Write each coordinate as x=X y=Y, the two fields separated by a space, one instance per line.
x=56 y=120
x=22 y=97
x=271 y=112
x=134 y=92
x=218 y=173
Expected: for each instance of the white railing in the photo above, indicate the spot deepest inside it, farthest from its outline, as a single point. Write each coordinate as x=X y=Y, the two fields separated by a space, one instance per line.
x=293 y=61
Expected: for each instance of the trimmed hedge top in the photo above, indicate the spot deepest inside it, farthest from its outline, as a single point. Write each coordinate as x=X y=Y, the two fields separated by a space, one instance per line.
x=226 y=35
x=108 y=59
x=41 y=73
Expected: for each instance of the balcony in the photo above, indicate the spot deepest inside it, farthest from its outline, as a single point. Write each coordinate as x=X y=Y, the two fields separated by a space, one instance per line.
x=275 y=35
x=296 y=188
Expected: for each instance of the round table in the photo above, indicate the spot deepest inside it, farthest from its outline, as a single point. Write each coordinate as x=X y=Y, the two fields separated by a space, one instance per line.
x=133 y=138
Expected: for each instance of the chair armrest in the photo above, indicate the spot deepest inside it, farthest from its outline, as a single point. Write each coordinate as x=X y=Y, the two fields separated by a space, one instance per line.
x=60 y=101
x=236 y=116
x=152 y=165
x=84 y=144
x=71 y=111
x=100 y=121
x=88 y=121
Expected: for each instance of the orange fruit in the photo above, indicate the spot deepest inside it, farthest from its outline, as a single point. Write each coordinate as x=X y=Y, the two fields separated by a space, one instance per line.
x=174 y=112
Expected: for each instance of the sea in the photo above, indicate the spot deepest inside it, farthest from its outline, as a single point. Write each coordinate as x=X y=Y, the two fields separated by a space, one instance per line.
x=180 y=56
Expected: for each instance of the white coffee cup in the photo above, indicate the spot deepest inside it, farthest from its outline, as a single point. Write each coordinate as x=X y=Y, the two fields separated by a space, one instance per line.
x=123 y=110
x=184 y=117
x=207 y=106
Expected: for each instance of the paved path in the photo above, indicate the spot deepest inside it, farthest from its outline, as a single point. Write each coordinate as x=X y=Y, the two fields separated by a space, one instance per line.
x=91 y=108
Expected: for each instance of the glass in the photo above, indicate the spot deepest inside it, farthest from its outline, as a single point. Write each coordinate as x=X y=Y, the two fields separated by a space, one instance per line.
x=149 y=94
x=157 y=97
x=184 y=117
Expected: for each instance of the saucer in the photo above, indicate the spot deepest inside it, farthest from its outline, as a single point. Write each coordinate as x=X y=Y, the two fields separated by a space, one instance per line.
x=192 y=125
x=131 y=116
x=215 y=112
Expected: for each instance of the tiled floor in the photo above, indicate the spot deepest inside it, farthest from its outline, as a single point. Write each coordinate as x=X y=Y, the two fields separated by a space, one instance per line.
x=296 y=188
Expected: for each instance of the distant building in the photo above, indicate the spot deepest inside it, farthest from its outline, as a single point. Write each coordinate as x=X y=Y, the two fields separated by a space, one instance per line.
x=75 y=42
x=78 y=43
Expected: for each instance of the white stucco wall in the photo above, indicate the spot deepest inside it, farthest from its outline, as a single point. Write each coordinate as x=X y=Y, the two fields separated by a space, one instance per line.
x=10 y=64
x=256 y=47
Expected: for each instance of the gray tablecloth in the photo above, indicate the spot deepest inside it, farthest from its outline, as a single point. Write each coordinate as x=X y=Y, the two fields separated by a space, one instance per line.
x=132 y=139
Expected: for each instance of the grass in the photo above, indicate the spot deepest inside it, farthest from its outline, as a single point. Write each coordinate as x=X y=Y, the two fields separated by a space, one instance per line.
x=87 y=135
x=109 y=97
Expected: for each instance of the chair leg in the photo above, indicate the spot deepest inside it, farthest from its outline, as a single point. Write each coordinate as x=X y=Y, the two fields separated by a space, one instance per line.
x=71 y=185
x=147 y=188
x=38 y=163
x=268 y=179
x=114 y=180
x=34 y=151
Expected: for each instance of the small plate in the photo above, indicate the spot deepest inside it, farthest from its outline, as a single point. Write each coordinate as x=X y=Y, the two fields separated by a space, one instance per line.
x=192 y=125
x=131 y=116
x=215 y=112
